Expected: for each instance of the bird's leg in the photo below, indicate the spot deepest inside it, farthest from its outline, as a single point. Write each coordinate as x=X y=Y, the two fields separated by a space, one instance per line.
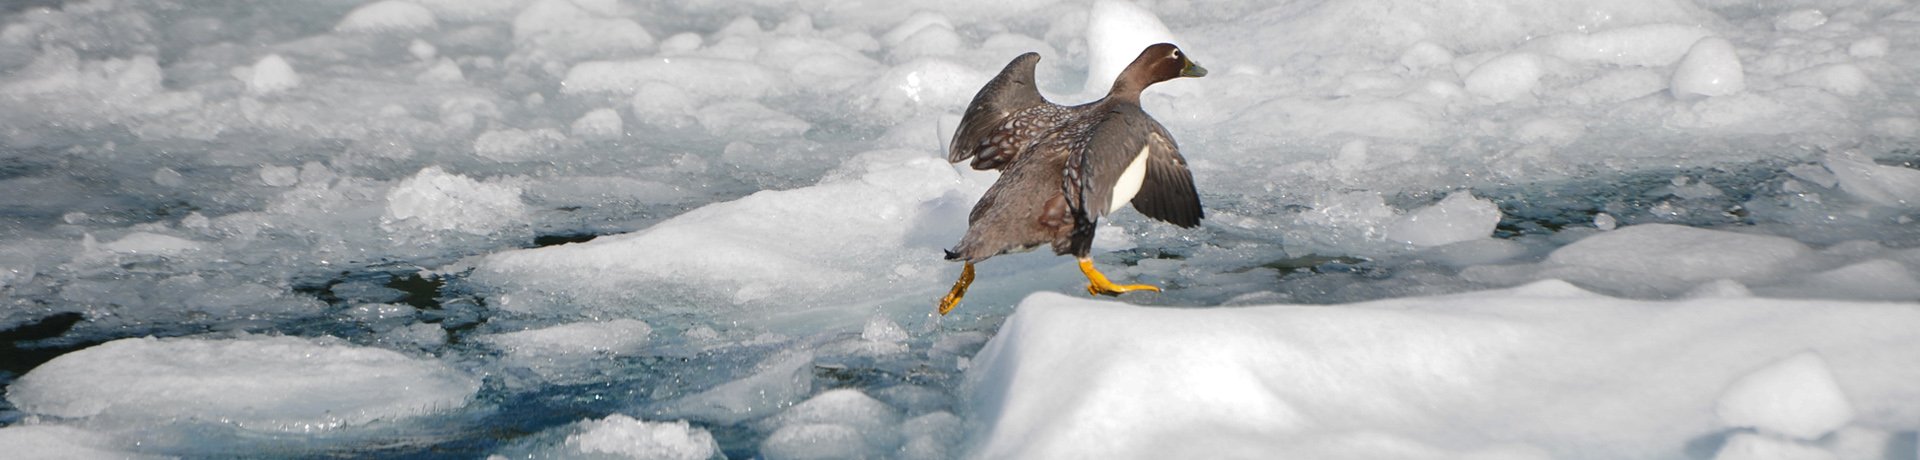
x=959 y=290
x=1097 y=283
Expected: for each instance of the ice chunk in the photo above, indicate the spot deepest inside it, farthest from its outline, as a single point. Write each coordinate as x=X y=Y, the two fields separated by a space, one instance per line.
x=152 y=244
x=843 y=406
x=749 y=120
x=558 y=350
x=779 y=381
x=55 y=442
x=1617 y=86
x=1643 y=45
x=563 y=30
x=1460 y=217
x=387 y=16
x=1507 y=77
x=1870 y=47
x=1800 y=20
x=1117 y=30
x=1891 y=186
x=262 y=383
x=1751 y=446
x=434 y=200
x=1711 y=68
x=1680 y=253
x=924 y=84
x=1841 y=79
x=791 y=256
x=816 y=441
x=422 y=50
x=599 y=124
x=1604 y=221
x=445 y=72
x=680 y=43
x=632 y=438
x=923 y=34
x=1796 y=397
x=702 y=78
x=1423 y=56
x=510 y=144
x=271 y=74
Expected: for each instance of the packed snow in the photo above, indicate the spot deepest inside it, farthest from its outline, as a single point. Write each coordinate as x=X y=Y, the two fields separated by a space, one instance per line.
x=1508 y=229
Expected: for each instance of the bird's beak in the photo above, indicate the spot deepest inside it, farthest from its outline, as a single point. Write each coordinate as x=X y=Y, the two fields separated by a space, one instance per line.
x=1193 y=69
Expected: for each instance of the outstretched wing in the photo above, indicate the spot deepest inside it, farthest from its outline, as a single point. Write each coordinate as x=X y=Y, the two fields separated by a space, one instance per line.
x=1128 y=139
x=999 y=124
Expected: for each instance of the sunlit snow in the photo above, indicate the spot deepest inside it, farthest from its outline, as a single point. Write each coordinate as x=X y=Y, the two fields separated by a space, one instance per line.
x=1509 y=229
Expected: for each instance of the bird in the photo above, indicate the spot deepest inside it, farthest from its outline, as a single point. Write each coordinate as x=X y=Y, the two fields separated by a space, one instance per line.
x=1062 y=168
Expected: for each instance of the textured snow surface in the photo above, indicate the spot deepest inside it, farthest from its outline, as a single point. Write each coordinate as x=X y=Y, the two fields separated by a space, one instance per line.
x=1068 y=376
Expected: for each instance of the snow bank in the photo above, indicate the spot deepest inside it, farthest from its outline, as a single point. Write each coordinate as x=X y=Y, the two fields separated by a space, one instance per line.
x=259 y=383
x=1543 y=370
x=1796 y=397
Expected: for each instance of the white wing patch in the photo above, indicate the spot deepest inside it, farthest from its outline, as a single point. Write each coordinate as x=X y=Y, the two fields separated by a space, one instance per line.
x=1130 y=180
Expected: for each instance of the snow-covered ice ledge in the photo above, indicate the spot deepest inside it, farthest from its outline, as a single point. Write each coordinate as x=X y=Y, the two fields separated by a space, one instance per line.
x=1544 y=370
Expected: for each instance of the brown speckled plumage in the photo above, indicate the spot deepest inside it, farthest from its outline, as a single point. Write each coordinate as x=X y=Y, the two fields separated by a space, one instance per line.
x=1059 y=163
x=1060 y=166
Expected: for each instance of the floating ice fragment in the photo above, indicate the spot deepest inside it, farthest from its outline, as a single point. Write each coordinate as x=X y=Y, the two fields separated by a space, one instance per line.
x=152 y=244
x=279 y=176
x=510 y=145
x=1842 y=79
x=444 y=72
x=779 y=381
x=1642 y=45
x=1870 y=47
x=1460 y=217
x=1711 y=68
x=1795 y=397
x=628 y=437
x=1507 y=77
x=1891 y=186
x=271 y=75
x=1682 y=253
x=816 y=442
x=387 y=16
x=563 y=30
x=1753 y=446
x=422 y=50
x=1424 y=55
x=1800 y=20
x=1604 y=221
x=274 y=384
x=435 y=201
x=598 y=124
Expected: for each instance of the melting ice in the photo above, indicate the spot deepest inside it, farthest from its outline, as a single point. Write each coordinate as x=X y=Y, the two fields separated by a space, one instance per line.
x=622 y=229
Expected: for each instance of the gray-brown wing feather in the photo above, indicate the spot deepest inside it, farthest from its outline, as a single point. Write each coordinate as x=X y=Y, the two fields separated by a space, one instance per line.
x=1166 y=192
x=1004 y=118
